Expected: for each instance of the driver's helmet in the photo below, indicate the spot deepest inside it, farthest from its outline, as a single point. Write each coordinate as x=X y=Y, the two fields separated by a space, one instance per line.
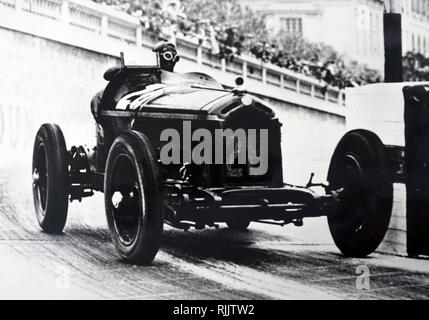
x=167 y=54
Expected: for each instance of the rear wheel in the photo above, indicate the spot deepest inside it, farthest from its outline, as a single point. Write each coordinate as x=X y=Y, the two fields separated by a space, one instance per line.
x=134 y=198
x=50 y=178
x=359 y=166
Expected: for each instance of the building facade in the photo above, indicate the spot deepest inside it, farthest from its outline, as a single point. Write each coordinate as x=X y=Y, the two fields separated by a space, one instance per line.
x=353 y=27
x=415 y=21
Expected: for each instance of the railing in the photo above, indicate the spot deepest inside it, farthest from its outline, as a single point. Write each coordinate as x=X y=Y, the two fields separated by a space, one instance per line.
x=109 y=22
x=80 y=16
x=47 y=8
x=8 y=3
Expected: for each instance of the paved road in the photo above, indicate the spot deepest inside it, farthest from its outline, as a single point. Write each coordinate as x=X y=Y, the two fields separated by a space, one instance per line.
x=267 y=262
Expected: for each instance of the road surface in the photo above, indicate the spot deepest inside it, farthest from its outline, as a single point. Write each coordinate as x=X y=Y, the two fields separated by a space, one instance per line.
x=267 y=262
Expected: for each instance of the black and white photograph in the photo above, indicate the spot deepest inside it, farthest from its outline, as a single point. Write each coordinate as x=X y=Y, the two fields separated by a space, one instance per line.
x=227 y=151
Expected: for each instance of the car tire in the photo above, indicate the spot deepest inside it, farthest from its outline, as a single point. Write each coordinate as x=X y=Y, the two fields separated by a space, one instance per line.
x=50 y=179
x=134 y=198
x=359 y=166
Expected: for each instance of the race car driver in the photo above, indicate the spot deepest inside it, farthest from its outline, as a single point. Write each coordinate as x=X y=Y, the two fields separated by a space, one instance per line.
x=167 y=55
x=167 y=58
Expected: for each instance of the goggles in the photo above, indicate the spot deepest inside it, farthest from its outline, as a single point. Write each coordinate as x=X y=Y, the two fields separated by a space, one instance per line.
x=169 y=55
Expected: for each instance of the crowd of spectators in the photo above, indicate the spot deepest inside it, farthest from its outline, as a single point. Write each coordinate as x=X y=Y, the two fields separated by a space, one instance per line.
x=231 y=30
x=416 y=67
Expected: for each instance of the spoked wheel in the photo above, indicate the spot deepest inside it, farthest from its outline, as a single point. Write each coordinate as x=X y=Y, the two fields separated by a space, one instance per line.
x=127 y=201
x=50 y=178
x=360 y=169
x=134 y=198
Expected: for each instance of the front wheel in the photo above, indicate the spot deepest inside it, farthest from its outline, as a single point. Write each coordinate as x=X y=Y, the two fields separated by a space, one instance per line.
x=50 y=178
x=134 y=198
x=360 y=168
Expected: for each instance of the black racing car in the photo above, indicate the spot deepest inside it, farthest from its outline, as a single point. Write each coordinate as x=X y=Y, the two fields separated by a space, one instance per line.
x=142 y=191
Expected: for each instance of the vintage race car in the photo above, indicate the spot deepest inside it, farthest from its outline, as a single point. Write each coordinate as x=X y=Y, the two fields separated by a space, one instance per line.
x=142 y=191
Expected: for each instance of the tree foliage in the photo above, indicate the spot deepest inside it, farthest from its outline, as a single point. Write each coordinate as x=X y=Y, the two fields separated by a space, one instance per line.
x=227 y=13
